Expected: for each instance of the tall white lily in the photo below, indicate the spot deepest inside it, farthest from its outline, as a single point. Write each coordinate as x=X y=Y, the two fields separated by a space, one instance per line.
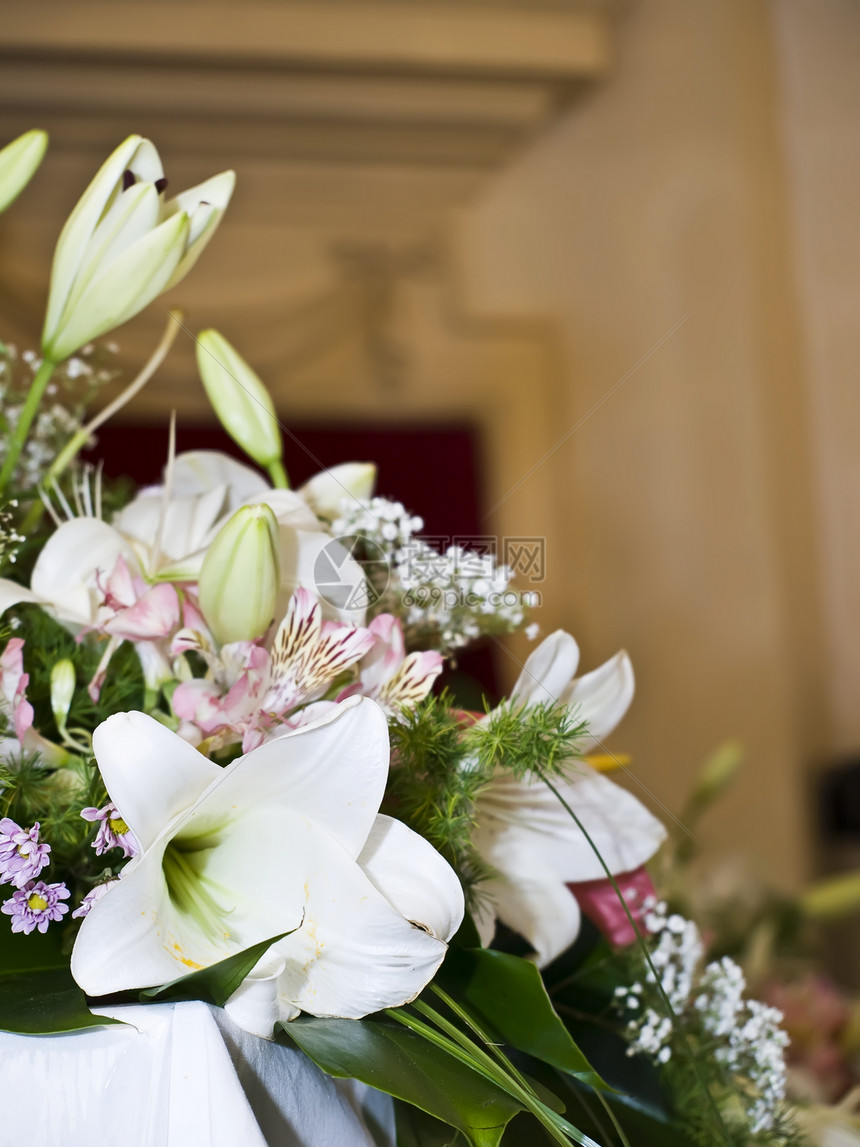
x=124 y=244
x=285 y=838
x=526 y=834
x=18 y=163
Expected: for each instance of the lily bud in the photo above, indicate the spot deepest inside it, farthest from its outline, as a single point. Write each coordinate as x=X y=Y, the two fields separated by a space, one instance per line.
x=124 y=244
x=325 y=492
x=239 y=398
x=62 y=691
x=717 y=774
x=240 y=576
x=18 y=162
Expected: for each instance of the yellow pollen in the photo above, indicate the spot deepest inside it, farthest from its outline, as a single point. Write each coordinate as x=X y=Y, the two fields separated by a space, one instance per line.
x=36 y=902
x=117 y=826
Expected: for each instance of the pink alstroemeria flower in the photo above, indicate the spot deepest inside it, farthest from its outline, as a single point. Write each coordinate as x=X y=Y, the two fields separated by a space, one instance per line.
x=250 y=692
x=13 y=701
x=13 y=686
x=133 y=611
x=388 y=674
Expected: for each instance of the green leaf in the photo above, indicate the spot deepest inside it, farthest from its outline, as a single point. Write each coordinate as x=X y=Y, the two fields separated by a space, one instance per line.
x=44 y=1003
x=215 y=984
x=38 y=952
x=415 y=1128
x=408 y=1067
x=508 y=995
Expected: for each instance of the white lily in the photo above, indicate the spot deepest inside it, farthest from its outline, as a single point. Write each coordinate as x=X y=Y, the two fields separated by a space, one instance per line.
x=285 y=838
x=124 y=244
x=525 y=833
x=163 y=535
x=18 y=163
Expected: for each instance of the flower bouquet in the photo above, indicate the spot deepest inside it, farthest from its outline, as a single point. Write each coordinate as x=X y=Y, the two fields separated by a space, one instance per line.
x=226 y=774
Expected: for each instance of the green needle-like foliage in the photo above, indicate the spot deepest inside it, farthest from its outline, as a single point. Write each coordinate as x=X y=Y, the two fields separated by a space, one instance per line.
x=441 y=761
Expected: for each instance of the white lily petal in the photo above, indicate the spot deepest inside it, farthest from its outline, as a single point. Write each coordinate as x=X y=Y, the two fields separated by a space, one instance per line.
x=64 y=576
x=325 y=492
x=127 y=943
x=217 y=191
x=131 y=216
x=80 y=226
x=189 y=524
x=126 y=286
x=204 y=205
x=333 y=771
x=197 y=895
x=321 y=564
x=151 y=774
x=354 y=953
x=523 y=829
x=413 y=877
x=145 y=164
x=601 y=698
x=547 y=672
x=256 y=1006
x=199 y=471
x=289 y=508
x=13 y=594
x=544 y=913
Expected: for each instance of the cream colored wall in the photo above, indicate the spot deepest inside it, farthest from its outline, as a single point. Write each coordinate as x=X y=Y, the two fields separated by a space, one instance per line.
x=819 y=55
x=704 y=510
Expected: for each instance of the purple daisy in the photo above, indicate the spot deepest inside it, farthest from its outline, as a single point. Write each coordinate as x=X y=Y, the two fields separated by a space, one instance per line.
x=36 y=905
x=22 y=854
x=113 y=831
x=91 y=898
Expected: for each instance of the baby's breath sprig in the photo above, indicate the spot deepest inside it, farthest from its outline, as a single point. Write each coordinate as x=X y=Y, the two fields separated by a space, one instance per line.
x=738 y=1044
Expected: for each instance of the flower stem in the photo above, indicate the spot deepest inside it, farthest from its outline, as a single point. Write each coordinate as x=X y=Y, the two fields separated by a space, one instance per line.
x=78 y=440
x=28 y=412
x=278 y=475
x=728 y=1141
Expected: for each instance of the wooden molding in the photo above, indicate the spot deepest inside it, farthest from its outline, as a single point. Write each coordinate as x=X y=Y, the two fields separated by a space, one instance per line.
x=568 y=42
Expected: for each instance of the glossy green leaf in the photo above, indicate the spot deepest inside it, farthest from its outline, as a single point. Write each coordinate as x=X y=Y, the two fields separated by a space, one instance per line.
x=407 y=1066
x=44 y=1002
x=215 y=984
x=507 y=994
x=415 y=1128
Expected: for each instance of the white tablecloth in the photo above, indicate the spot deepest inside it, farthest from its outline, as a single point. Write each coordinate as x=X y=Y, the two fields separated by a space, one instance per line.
x=183 y=1076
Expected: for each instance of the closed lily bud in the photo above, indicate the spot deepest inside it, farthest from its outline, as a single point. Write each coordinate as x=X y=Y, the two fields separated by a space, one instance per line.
x=239 y=398
x=124 y=244
x=18 y=162
x=717 y=774
x=240 y=576
x=326 y=491
x=62 y=691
